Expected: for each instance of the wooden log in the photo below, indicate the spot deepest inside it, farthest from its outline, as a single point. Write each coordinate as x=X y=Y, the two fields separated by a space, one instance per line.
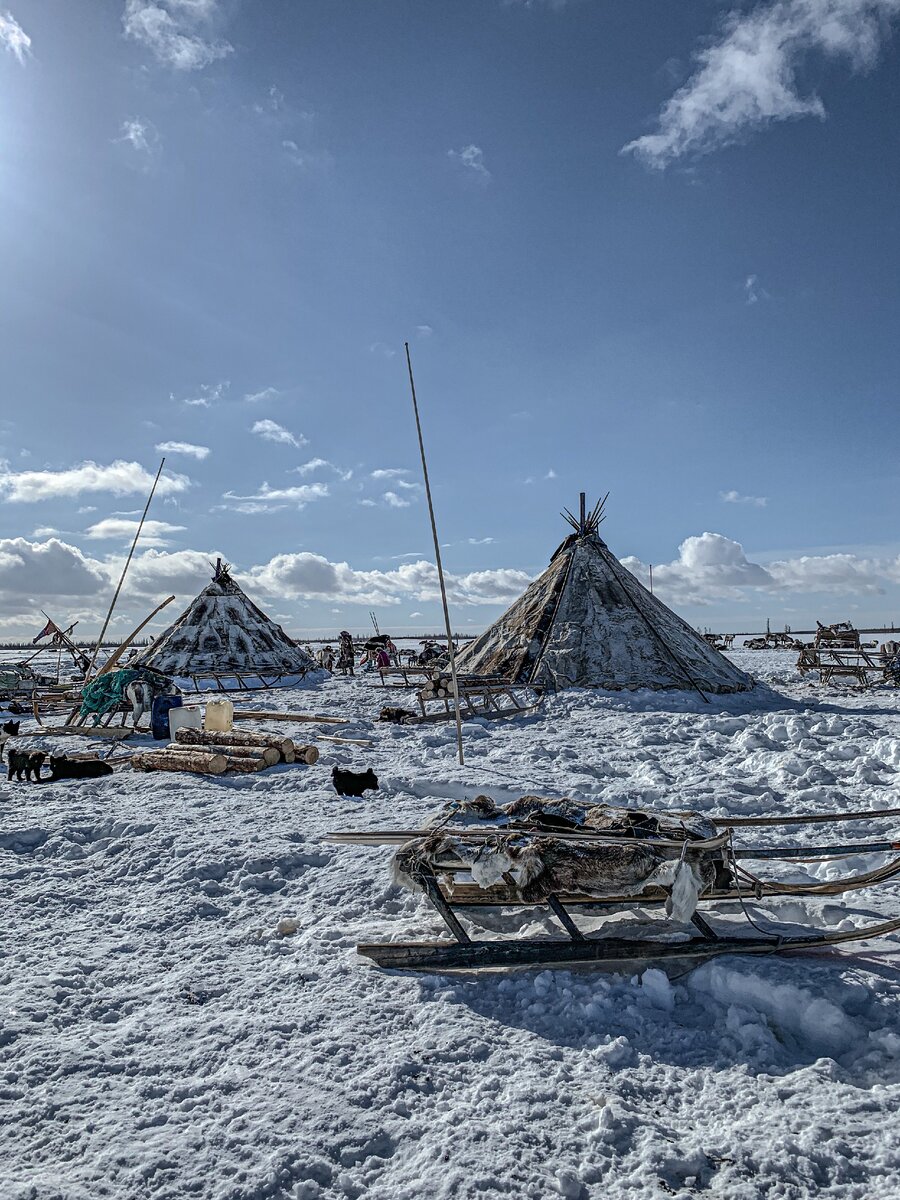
x=196 y=761
x=244 y=766
x=307 y=754
x=245 y=714
x=270 y=755
x=325 y=737
x=234 y=737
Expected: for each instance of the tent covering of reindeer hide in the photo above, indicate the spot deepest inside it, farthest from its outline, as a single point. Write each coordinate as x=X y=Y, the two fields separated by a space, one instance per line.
x=223 y=633
x=589 y=622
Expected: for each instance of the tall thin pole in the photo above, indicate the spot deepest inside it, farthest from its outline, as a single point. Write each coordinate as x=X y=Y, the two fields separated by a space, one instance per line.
x=87 y=673
x=437 y=555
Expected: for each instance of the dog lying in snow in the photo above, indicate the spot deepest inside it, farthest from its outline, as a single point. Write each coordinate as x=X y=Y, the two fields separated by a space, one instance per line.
x=395 y=715
x=75 y=768
x=25 y=766
x=9 y=729
x=353 y=783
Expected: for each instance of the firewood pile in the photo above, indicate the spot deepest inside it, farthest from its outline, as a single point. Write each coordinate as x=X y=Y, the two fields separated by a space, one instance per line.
x=217 y=752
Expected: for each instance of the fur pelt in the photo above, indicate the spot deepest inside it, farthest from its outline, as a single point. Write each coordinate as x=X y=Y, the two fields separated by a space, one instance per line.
x=540 y=812
x=538 y=867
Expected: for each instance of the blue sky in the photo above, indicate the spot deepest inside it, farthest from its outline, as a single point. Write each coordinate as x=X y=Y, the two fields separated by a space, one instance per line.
x=650 y=248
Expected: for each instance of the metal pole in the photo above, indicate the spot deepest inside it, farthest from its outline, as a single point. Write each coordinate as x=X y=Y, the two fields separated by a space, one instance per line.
x=87 y=673
x=437 y=555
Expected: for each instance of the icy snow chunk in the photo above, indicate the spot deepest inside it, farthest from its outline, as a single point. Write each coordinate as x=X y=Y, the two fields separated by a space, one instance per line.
x=656 y=987
x=287 y=926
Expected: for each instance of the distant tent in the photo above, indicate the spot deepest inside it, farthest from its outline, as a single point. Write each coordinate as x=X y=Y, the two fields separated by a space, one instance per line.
x=222 y=640
x=588 y=622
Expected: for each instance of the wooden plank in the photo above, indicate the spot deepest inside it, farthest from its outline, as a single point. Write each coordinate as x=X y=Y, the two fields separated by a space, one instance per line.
x=241 y=714
x=95 y=731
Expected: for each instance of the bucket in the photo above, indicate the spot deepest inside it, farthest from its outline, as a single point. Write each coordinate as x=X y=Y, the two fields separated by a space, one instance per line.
x=188 y=717
x=159 y=715
x=219 y=716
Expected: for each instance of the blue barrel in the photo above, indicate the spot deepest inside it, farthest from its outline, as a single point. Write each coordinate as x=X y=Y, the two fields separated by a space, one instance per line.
x=159 y=715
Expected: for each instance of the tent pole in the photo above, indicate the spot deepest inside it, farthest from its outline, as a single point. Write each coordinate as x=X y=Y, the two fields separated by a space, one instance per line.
x=437 y=555
x=87 y=674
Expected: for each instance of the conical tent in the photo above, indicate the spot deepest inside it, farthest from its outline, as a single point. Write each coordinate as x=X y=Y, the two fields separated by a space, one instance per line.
x=224 y=640
x=588 y=622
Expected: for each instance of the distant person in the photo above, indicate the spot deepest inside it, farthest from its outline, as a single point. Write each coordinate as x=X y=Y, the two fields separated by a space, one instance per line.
x=345 y=653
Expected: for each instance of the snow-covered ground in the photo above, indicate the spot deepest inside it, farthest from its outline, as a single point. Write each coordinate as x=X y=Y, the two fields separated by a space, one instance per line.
x=159 y=1039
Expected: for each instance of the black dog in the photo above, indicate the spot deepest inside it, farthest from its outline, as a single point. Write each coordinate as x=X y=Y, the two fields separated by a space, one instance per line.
x=353 y=783
x=395 y=715
x=74 y=768
x=9 y=729
x=25 y=765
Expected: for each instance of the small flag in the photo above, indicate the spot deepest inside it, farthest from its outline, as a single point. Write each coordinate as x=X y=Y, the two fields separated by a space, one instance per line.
x=50 y=627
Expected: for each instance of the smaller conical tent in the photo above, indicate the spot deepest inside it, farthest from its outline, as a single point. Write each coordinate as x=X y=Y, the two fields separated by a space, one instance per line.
x=588 y=622
x=222 y=640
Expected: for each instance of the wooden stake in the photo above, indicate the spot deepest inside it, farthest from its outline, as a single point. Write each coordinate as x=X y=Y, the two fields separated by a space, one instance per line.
x=117 y=654
x=437 y=555
x=87 y=674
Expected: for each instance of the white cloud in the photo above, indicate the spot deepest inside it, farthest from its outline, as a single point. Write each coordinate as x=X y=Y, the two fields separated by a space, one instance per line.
x=168 y=28
x=318 y=464
x=268 y=393
x=199 y=452
x=485 y=541
x=309 y=576
x=414 y=614
x=389 y=472
x=120 y=478
x=44 y=531
x=472 y=159
x=50 y=568
x=206 y=395
x=734 y=497
x=424 y=331
x=392 y=500
x=119 y=529
x=13 y=37
x=747 y=77
x=271 y=431
x=551 y=474
x=713 y=567
x=753 y=291
x=368 y=504
x=382 y=350
x=140 y=134
x=300 y=495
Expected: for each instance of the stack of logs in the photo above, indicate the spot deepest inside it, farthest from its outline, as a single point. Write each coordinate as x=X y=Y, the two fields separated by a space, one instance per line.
x=207 y=752
x=440 y=687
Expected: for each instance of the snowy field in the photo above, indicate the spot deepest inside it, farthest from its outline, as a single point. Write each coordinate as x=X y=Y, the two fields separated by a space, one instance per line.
x=159 y=1039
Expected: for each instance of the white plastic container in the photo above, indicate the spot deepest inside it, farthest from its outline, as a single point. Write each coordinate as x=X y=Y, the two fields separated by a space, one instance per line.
x=219 y=716
x=186 y=717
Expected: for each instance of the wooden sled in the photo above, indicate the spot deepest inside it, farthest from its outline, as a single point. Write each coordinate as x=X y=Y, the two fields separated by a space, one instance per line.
x=446 y=895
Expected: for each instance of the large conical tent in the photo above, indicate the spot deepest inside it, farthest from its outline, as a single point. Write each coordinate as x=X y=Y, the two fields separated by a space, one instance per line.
x=588 y=622
x=222 y=640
